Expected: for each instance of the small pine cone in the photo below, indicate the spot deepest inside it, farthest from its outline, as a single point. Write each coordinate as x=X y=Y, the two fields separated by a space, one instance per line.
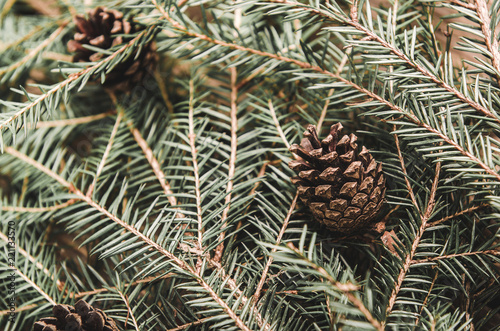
x=104 y=28
x=81 y=317
x=343 y=189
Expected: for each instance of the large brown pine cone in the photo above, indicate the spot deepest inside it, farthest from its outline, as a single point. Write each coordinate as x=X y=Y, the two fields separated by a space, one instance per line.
x=344 y=189
x=81 y=317
x=104 y=28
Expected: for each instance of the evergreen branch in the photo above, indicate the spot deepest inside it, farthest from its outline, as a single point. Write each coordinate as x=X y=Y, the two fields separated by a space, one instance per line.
x=74 y=121
x=131 y=229
x=424 y=304
x=416 y=241
x=345 y=288
x=232 y=160
x=31 y=55
x=129 y=311
x=188 y=325
x=35 y=286
x=460 y=213
x=278 y=242
x=490 y=37
x=18 y=42
x=73 y=77
x=32 y=259
x=373 y=36
x=107 y=289
x=403 y=168
x=38 y=209
x=155 y=165
x=40 y=167
x=25 y=308
x=196 y=171
x=464 y=4
x=277 y=124
x=369 y=93
x=451 y=256
x=106 y=153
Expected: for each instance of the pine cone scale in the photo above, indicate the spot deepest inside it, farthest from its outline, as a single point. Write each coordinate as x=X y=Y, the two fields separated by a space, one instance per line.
x=343 y=188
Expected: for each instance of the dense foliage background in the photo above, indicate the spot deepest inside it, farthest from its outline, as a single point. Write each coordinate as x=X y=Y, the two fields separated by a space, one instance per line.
x=170 y=206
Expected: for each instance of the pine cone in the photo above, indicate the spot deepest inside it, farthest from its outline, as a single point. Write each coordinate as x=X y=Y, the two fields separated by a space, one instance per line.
x=81 y=317
x=103 y=28
x=343 y=189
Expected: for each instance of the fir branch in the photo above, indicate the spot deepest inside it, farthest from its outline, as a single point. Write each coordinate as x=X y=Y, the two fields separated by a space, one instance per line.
x=232 y=160
x=411 y=117
x=277 y=124
x=403 y=168
x=32 y=259
x=452 y=256
x=416 y=241
x=196 y=171
x=278 y=242
x=458 y=214
x=37 y=50
x=37 y=288
x=73 y=77
x=19 y=309
x=130 y=313
x=387 y=45
x=188 y=325
x=38 y=209
x=106 y=153
x=346 y=288
x=130 y=229
x=490 y=37
x=74 y=121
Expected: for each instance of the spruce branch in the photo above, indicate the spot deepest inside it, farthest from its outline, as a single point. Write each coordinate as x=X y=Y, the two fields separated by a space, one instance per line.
x=346 y=288
x=196 y=171
x=37 y=288
x=493 y=252
x=424 y=218
x=400 y=54
x=278 y=242
x=33 y=260
x=130 y=229
x=36 y=51
x=106 y=153
x=41 y=99
x=232 y=160
x=74 y=121
x=490 y=37
x=38 y=209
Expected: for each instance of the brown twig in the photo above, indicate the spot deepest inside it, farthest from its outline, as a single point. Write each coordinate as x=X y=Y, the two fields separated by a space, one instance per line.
x=33 y=53
x=232 y=161
x=424 y=304
x=131 y=229
x=69 y=80
x=403 y=168
x=452 y=256
x=38 y=209
x=106 y=153
x=196 y=171
x=188 y=325
x=129 y=310
x=278 y=242
x=460 y=213
x=74 y=121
